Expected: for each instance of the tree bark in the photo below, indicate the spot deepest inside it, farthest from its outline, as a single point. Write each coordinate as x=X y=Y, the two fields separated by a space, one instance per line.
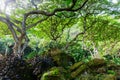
x=20 y=46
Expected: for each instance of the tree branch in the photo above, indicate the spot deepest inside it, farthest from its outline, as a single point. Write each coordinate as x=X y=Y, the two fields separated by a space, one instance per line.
x=32 y=25
x=17 y=28
x=25 y=44
x=70 y=43
x=52 y=13
x=81 y=6
x=85 y=29
x=64 y=26
x=57 y=10
x=10 y=26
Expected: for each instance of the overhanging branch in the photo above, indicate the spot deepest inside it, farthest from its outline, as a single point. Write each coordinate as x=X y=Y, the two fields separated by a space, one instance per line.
x=70 y=43
x=54 y=11
x=32 y=25
x=81 y=33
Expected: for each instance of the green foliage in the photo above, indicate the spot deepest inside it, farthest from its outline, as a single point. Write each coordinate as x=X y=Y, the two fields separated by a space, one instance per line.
x=113 y=57
x=3 y=30
x=5 y=42
x=31 y=55
x=79 y=53
x=99 y=20
x=117 y=60
x=111 y=72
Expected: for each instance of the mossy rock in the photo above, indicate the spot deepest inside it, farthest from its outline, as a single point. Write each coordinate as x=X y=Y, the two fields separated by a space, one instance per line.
x=96 y=77
x=110 y=77
x=59 y=57
x=90 y=77
x=55 y=73
x=78 y=71
x=62 y=59
x=80 y=67
x=76 y=65
x=96 y=63
x=65 y=60
x=112 y=66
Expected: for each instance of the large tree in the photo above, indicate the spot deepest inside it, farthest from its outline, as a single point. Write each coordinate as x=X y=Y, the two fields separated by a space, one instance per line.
x=18 y=24
x=90 y=15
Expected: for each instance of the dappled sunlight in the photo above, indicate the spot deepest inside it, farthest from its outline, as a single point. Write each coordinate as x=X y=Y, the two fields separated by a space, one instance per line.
x=6 y=7
x=2 y=5
x=115 y=1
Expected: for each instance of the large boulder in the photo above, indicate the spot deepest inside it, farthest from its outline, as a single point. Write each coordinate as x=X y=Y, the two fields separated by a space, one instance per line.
x=59 y=57
x=80 y=67
x=110 y=77
x=97 y=77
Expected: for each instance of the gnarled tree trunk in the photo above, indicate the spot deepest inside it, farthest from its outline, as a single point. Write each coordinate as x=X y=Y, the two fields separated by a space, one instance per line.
x=20 y=45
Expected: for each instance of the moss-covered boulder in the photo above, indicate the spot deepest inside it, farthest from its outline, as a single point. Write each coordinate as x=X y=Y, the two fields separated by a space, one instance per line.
x=55 y=73
x=80 y=67
x=76 y=65
x=97 y=77
x=63 y=59
x=96 y=63
x=59 y=57
x=118 y=73
x=110 y=77
x=113 y=68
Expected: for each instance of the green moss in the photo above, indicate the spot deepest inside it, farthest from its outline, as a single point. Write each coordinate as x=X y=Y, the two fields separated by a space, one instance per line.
x=110 y=77
x=111 y=72
x=80 y=67
x=96 y=63
x=76 y=65
x=54 y=73
x=96 y=77
x=78 y=71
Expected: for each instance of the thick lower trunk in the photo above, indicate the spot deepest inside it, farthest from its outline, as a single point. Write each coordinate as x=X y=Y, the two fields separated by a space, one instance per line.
x=17 y=49
x=20 y=46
